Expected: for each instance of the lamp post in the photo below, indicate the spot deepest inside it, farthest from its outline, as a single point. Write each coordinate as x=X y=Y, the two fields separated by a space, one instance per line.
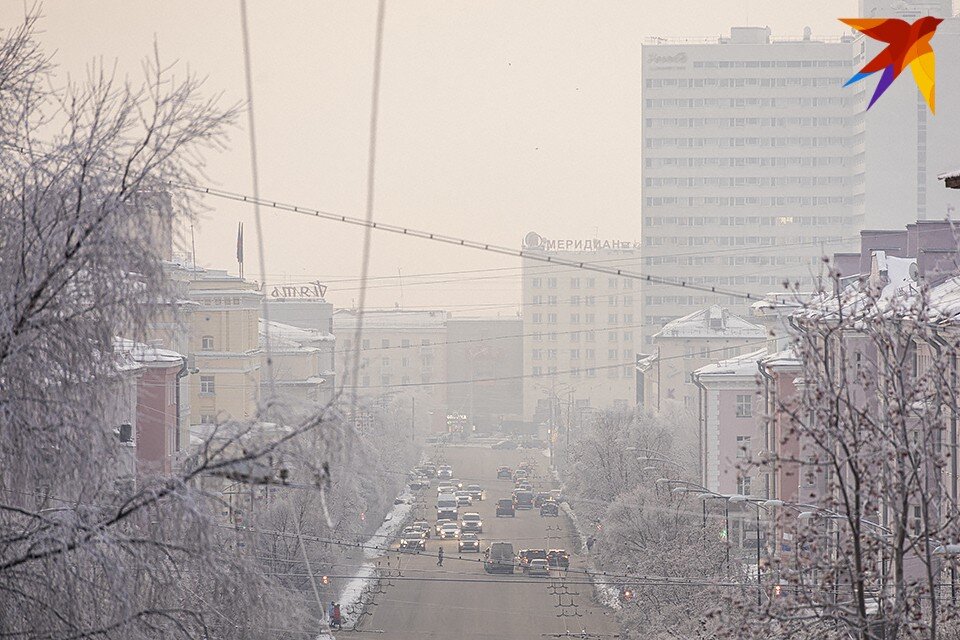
x=758 y=505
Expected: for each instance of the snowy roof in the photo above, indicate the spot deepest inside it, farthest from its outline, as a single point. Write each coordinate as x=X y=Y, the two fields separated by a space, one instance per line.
x=145 y=353
x=787 y=357
x=391 y=319
x=285 y=336
x=949 y=174
x=712 y=322
x=745 y=364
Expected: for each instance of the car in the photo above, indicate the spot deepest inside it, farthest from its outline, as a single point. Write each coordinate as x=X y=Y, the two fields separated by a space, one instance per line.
x=471 y=522
x=558 y=558
x=464 y=499
x=476 y=491
x=444 y=473
x=469 y=542
x=504 y=473
x=505 y=508
x=412 y=539
x=445 y=486
x=539 y=568
x=504 y=445
x=499 y=558
x=524 y=486
x=526 y=466
x=418 y=484
x=523 y=499
x=457 y=482
x=549 y=508
x=539 y=498
x=423 y=525
x=449 y=530
x=526 y=556
x=520 y=474
x=440 y=524
x=429 y=470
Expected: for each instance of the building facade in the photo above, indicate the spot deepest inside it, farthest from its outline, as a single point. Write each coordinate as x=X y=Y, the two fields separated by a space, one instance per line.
x=302 y=364
x=581 y=329
x=686 y=344
x=487 y=353
x=752 y=165
x=401 y=353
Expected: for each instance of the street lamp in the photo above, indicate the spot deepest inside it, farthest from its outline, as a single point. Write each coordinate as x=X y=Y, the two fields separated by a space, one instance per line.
x=759 y=505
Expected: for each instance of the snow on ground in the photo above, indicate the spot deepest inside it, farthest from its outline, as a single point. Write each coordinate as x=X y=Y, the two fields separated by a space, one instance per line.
x=392 y=523
x=606 y=594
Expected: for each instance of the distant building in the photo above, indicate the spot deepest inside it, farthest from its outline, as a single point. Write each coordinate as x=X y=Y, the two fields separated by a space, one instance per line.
x=303 y=363
x=752 y=165
x=691 y=342
x=488 y=352
x=581 y=329
x=402 y=353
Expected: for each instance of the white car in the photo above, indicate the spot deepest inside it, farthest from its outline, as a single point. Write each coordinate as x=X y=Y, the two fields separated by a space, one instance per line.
x=442 y=523
x=471 y=522
x=464 y=499
x=538 y=568
x=445 y=487
x=449 y=530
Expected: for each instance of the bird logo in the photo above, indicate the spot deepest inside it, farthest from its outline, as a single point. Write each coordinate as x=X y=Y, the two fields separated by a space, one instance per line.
x=907 y=44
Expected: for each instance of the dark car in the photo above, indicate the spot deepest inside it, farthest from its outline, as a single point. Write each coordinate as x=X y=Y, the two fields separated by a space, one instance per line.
x=499 y=558
x=558 y=558
x=504 y=473
x=476 y=491
x=527 y=556
x=549 y=508
x=505 y=508
x=523 y=499
x=505 y=444
x=469 y=542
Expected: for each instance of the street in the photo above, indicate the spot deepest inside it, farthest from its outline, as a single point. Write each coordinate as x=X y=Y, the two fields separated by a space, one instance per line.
x=460 y=600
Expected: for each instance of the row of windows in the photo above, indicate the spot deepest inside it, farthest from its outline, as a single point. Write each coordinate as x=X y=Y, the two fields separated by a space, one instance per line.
x=577 y=283
x=761 y=161
x=739 y=83
x=220 y=302
x=752 y=181
x=699 y=261
x=386 y=380
x=752 y=201
x=587 y=301
x=742 y=103
x=726 y=221
x=733 y=241
x=588 y=354
x=587 y=318
x=426 y=360
x=770 y=64
x=629 y=372
x=809 y=121
x=772 y=142
x=589 y=335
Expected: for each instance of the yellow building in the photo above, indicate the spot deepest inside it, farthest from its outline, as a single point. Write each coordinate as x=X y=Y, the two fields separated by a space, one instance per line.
x=302 y=364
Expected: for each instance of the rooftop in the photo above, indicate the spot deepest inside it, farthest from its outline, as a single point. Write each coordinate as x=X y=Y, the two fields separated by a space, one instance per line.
x=737 y=366
x=712 y=322
x=391 y=319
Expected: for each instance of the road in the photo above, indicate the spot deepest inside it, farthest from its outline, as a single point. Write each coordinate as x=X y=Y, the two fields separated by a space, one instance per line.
x=460 y=600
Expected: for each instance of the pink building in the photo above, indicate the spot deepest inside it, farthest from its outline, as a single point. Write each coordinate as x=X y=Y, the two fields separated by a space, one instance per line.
x=730 y=435
x=158 y=407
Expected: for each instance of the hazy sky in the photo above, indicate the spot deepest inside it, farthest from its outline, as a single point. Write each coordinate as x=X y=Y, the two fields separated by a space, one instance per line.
x=497 y=117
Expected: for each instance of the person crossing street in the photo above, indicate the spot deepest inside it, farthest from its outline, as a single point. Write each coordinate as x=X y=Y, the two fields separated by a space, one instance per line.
x=439 y=556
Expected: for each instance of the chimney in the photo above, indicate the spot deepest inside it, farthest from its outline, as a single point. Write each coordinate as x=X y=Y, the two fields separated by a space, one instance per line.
x=847 y=264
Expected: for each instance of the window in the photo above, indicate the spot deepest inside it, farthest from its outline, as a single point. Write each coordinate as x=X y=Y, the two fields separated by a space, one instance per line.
x=552 y=318
x=206 y=343
x=537 y=318
x=591 y=354
x=385 y=362
x=743 y=447
x=575 y=336
x=426 y=360
x=574 y=354
x=536 y=371
x=574 y=301
x=538 y=354
x=206 y=418
x=611 y=354
x=405 y=361
x=551 y=283
x=425 y=342
x=385 y=380
x=744 y=406
x=551 y=354
x=537 y=283
x=574 y=318
x=743 y=485
x=591 y=373
x=384 y=344
x=207 y=386
x=405 y=343
x=574 y=283
x=365 y=381
x=365 y=344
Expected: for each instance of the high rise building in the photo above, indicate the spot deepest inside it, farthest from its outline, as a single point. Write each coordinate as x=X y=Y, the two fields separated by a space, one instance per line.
x=753 y=157
x=581 y=329
x=906 y=145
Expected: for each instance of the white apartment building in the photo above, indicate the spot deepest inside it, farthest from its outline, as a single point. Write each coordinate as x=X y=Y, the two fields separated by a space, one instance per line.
x=753 y=165
x=581 y=329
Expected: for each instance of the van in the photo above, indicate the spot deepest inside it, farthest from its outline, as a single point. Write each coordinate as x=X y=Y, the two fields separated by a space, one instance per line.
x=505 y=508
x=523 y=499
x=499 y=558
x=447 y=507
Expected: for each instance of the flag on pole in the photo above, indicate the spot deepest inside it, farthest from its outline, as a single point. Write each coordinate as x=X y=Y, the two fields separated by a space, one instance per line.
x=240 y=246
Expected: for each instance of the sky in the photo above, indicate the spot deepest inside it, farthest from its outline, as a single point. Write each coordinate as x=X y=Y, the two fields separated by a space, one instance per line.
x=496 y=118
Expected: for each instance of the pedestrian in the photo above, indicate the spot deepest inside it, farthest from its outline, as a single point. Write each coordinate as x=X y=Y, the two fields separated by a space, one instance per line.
x=330 y=611
x=337 y=620
x=439 y=556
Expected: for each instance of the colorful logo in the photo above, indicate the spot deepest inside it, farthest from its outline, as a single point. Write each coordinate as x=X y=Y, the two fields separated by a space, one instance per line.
x=907 y=44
